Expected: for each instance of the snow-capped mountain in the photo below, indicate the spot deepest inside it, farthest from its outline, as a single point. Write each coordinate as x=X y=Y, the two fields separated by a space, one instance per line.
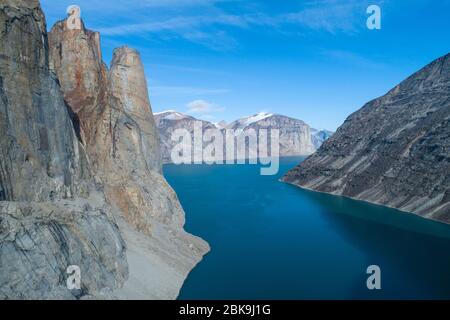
x=171 y=115
x=296 y=137
x=169 y=121
x=247 y=121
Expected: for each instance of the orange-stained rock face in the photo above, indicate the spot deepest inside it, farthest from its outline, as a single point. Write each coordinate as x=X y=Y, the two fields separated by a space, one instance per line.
x=75 y=55
x=117 y=126
x=119 y=133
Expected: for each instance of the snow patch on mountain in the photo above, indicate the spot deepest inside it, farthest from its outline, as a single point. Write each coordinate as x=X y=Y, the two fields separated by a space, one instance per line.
x=171 y=115
x=258 y=117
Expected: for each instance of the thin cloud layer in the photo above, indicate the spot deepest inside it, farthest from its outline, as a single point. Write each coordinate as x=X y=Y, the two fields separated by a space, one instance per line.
x=207 y=23
x=202 y=107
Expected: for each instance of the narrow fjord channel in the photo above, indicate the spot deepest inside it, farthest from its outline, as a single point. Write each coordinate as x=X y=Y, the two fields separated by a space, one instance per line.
x=271 y=240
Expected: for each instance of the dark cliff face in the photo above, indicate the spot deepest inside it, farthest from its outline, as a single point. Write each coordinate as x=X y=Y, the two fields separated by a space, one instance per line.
x=40 y=156
x=395 y=151
x=47 y=220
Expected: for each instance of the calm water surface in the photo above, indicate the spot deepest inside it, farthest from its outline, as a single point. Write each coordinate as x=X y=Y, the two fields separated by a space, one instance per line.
x=271 y=240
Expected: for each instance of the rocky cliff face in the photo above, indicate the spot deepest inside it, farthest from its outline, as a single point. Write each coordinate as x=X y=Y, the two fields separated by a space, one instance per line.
x=395 y=151
x=80 y=170
x=120 y=136
x=296 y=137
x=51 y=214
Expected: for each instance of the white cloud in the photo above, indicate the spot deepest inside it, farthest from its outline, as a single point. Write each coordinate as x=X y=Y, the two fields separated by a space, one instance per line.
x=203 y=107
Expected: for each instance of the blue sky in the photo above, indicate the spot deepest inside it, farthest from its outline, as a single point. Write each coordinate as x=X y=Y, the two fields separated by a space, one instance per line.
x=224 y=59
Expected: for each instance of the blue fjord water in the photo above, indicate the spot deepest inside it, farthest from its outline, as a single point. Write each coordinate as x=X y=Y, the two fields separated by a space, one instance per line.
x=271 y=240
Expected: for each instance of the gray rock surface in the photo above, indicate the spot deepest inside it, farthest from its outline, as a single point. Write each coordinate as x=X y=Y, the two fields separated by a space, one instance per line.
x=395 y=151
x=40 y=156
x=39 y=241
x=51 y=213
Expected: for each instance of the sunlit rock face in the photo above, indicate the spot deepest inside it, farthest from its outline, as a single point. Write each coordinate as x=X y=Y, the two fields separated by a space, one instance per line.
x=116 y=125
x=132 y=175
x=129 y=95
x=395 y=151
x=117 y=128
x=75 y=56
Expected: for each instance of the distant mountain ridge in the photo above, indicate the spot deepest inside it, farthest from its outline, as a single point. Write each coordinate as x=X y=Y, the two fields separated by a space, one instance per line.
x=296 y=137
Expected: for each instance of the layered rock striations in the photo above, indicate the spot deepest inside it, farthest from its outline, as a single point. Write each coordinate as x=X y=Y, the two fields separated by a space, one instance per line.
x=395 y=151
x=122 y=144
x=51 y=214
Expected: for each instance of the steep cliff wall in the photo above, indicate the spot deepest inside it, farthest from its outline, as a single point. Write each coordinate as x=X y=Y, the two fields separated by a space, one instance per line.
x=80 y=170
x=51 y=214
x=119 y=133
x=395 y=151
